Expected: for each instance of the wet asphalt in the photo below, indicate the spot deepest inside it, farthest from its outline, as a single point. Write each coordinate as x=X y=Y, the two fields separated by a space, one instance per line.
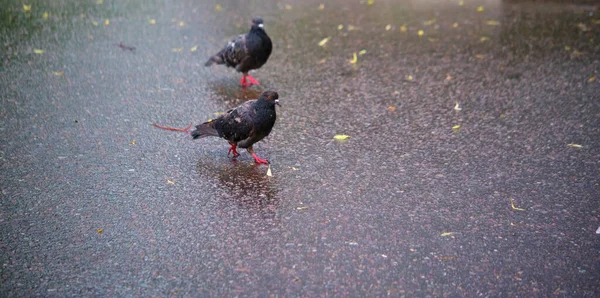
x=471 y=168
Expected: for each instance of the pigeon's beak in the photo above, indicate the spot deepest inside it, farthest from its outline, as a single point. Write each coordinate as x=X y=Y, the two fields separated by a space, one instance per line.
x=261 y=26
x=277 y=102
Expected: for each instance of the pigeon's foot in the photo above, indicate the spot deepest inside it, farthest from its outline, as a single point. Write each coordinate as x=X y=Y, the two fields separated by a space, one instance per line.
x=186 y=130
x=233 y=149
x=259 y=160
x=248 y=81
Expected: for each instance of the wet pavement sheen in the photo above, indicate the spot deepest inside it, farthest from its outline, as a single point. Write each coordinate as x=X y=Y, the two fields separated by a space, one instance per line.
x=453 y=112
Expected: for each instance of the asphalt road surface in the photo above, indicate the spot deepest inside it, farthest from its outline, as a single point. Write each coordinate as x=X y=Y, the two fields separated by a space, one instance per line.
x=471 y=168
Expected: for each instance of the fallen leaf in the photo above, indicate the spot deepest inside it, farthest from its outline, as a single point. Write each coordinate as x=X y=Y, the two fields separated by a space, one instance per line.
x=391 y=108
x=446 y=234
x=322 y=61
x=484 y=38
x=341 y=137
x=152 y=21
x=99 y=2
x=420 y=33
x=461 y=2
x=455 y=25
x=99 y=231
x=455 y=128
x=194 y=48
x=340 y=27
x=362 y=52
x=512 y=204
x=181 y=24
x=567 y=48
x=288 y=7
x=457 y=107
x=480 y=9
x=596 y=22
x=369 y=2
x=493 y=23
x=431 y=39
x=176 y=50
x=430 y=22
x=575 y=145
x=576 y=53
x=94 y=23
x=58 y=73
x=269 y=171
x=323 y=41
x=170 y=182
x=45 y=16
x=302 y=208
x=448 y=77
x=351 y=28
x=403 y=28
x=132 y=142
x=354 y=59
x=106 y=22
x=38 y=51
x=388 y=27
x=26 y=8
x=294 y=169
x=583 y=27
x=590 y=80
x=321 y=6
x=218 y=7
x=409 y=77
x=479 y=56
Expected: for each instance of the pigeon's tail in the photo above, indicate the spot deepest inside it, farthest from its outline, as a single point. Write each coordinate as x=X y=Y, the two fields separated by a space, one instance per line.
x=214 y=59
x=205 y=129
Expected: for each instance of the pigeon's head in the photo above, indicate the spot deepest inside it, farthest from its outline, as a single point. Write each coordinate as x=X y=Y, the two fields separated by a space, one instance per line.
x=257 y=23
x=271 y=97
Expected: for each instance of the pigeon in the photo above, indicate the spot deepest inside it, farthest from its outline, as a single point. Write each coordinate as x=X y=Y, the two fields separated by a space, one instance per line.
x=243 y=126
x=246 y=52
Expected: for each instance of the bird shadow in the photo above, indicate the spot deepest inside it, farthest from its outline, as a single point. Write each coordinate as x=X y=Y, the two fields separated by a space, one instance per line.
x=247 y=185
x=231 y=91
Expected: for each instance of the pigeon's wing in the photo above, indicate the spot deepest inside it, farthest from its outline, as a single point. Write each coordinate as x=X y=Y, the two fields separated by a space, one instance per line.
x=232 y=54
x=236 y=124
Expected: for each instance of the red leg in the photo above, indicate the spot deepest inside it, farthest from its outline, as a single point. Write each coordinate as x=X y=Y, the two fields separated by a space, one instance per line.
x=186 y=130
x=233 y=149
x=244 y=82
x=259 y=160
x=253 y=81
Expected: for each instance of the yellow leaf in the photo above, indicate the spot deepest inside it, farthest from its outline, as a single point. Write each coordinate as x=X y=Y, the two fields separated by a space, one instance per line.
x=45 y=16
x=58 y=73
x=294 y=169
x=321 y=6
x=420 y=33
x=369 y=2
x=430 y=22
x=94 y=23
x=341 y=137
x=576 y=53
x=354 y=59
x=446 y=234
x=448 y=77
x=99 y=231
x=362 y=52
x=512 y=204
x=493 y=23
x=26 y=8
x=181 y=24
x=132 y=142
x=432 y=39
x=176 y=50
x=99 y=2
x=484 y=38
x=106 y=22
x=461 y=2
x=591 y=79
x=340 y=27
x=596 y=21
x=457 y=108
x=269 y=171
x=152 y=21
x=455 y=25
x=391 y=108
x=403 y=28
x=455 y=128
x=567 y=48
x=194 y=48
x=322 y=61
x=302 y=208
x=479 y=56
x=288 y=7
x=575 y=145
x=218 y=7
x=351 y=28
x=480 y=8
x=409 y=77
x=388 y=27
x=323 y=41
x=38 y=51
x=170 y=182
